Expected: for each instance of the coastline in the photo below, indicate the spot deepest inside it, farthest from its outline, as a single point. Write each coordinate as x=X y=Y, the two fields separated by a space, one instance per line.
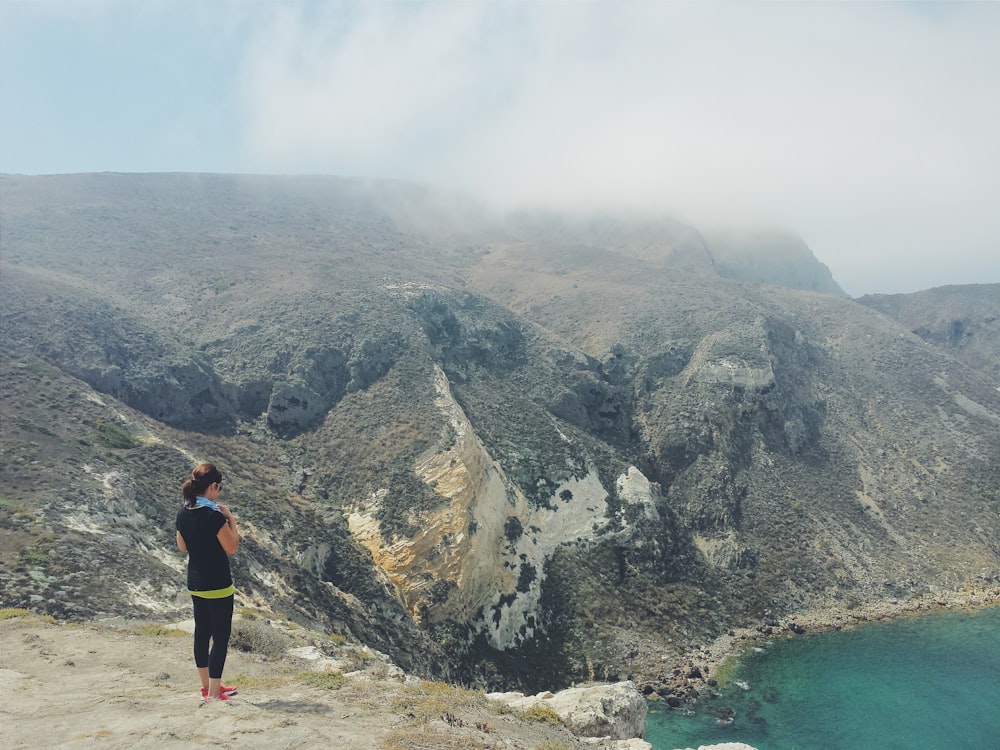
x=701 y=668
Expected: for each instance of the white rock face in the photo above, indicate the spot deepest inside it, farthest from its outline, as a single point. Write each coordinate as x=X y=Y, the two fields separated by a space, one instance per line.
x=636 y=491
x=723 y=746
x=632 y=744
x=615 y=712
x=713 y=361
x=486 y=549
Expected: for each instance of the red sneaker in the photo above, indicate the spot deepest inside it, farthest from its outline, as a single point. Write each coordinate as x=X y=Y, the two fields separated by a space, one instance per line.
x=226 y=690
x=220 y=697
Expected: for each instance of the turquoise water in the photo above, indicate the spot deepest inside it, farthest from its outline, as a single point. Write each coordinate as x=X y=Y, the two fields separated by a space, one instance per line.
x=917 y=683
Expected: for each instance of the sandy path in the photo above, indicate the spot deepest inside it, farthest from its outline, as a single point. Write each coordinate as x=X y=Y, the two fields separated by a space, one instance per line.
x=96 y=686
x=88 y=686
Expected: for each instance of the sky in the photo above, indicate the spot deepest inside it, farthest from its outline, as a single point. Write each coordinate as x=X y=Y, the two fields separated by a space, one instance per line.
x=870 y=129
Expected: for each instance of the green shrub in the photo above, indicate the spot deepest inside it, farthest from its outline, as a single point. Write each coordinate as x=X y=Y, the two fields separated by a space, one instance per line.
x=324 y=680
x=112 y=436
x=32 y=557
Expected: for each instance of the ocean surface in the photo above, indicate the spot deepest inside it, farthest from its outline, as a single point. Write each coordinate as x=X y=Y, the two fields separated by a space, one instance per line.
x=929 y=682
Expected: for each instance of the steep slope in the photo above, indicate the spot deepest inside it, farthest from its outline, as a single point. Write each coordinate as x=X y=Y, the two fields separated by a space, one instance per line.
x=514 y=450
x=86 y=520
x=963 y=320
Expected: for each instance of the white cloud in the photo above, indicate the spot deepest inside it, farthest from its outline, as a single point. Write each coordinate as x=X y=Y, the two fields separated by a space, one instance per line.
x=369 y=96
x=869 y=128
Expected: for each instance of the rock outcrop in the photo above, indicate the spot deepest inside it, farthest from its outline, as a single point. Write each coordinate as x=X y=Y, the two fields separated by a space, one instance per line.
x=615 y=712
x=484 y=550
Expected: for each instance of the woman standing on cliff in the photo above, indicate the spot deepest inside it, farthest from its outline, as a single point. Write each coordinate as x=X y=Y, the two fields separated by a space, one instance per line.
x=206 y=531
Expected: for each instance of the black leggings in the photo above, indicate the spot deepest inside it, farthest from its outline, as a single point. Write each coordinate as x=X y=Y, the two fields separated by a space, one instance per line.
x=213 y=621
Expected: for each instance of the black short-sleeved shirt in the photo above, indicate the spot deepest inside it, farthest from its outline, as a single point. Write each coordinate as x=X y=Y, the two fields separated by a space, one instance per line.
x=208 y=563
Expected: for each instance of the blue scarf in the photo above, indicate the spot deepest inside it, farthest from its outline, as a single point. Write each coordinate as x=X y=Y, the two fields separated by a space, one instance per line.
x=204 y=502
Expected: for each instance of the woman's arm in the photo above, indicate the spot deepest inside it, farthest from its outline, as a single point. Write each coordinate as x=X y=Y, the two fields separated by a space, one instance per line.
x=180 y=543
x=228 y=536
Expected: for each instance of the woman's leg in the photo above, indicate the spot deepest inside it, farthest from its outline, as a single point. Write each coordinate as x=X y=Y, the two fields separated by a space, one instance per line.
x=222 y=628
x=202 y=635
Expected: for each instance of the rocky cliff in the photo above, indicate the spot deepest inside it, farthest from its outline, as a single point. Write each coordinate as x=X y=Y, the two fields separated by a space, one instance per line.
x=770 y=256
x=515 y=451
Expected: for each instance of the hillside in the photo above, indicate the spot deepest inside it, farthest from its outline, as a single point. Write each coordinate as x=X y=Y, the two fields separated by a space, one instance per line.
x=962 y=320
x=510 y=451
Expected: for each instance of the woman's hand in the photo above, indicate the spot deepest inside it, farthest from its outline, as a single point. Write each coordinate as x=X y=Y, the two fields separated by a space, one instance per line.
x=228 y=536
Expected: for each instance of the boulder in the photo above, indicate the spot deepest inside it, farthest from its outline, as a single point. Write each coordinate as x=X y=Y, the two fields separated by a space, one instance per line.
x=633 y=744
x=616 y=711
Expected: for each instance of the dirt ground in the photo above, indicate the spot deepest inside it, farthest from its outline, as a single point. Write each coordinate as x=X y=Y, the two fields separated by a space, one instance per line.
x=94 y=686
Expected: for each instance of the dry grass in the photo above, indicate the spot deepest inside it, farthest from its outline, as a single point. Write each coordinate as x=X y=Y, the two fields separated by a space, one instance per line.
x=272 y=680
x=161 y=630
x=258 y=637
x=431 y=738
x=541 y=715
x=9 y=612
x=324 y=680
x=432 y=700
x=442 y=717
